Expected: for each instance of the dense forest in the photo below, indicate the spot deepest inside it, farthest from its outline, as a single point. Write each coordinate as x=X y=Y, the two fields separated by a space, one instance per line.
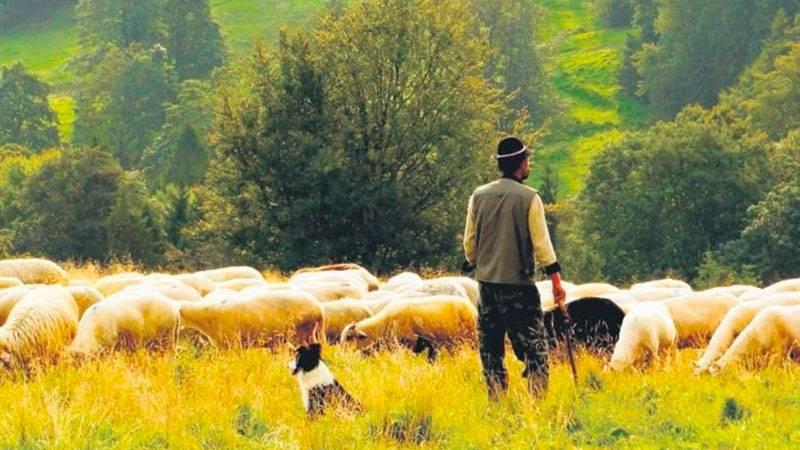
x=358 y=135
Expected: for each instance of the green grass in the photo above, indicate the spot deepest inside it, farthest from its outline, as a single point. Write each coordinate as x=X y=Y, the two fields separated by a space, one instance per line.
x=585 y=60
x=249 y=400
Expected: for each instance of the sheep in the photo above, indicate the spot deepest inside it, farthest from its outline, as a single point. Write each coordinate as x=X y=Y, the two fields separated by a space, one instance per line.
x=595 y=323
x=665 y=283
x=438 y=286
x=9 y=299
x=469 y=285
x=127 y=321
x=735 y=321
x=230 y=273
x=402 y=281
x=325 y=291
x=740 y=291
x=344 y=277
x=773 y=329
x=623 y=299
x=111 y=284
x=439 y=321
x=257 y=320
x=646 y=331
x=371 y=280
x=85 y=297
x=34 y=271
x=239 y=284
x=9 y=282
x=170 y=288
x=657 y=294
x=377 y=305
x=341 y=313
x=200 y=283
x=792 y=285
x=697 y=315
x=219 y=295
x=591 y=290
x=38 y=329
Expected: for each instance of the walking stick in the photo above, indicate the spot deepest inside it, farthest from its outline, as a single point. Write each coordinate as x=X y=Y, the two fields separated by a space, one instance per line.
x=568 y=336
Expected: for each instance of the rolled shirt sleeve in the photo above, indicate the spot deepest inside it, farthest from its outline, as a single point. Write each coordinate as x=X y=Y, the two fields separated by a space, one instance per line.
x=469 y=233
x=543 y=251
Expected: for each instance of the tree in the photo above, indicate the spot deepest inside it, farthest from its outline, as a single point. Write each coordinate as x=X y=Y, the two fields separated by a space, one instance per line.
x=616 y=13
x=135 y=222
x=66 y=204
x=120 y=23
x=677 y=71
x=180 y=153
x=660 y=199
x=26 y=117
x=358 y=142
x=12 y=12
x=515 y=65
x=121 y=103
x=775 y=107
x=193 y=39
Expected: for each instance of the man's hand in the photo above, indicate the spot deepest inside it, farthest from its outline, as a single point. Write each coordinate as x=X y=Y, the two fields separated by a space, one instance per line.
x=559 y=294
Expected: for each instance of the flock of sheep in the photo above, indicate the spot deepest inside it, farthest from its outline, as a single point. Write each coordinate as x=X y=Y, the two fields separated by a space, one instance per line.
x=45 y=316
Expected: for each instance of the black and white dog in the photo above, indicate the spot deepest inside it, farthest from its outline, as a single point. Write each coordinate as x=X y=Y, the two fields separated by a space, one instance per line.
x=318 y=388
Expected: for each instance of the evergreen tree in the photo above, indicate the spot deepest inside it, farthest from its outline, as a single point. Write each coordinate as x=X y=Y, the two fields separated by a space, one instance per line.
x=135 y=223
x=25 y=114
x=193 y=39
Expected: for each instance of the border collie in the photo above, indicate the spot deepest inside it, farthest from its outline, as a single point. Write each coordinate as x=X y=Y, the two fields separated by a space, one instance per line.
x=318 y=388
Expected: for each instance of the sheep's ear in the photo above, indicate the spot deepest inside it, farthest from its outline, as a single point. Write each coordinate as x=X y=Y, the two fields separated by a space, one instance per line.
x=314 y=334
x=361 y=335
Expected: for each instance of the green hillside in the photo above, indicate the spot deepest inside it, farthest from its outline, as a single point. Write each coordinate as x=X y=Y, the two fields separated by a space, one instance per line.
x=584 y=60
x=584 y=64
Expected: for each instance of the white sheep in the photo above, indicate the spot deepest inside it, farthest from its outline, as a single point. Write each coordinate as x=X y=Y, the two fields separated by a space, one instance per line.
x=9 y=282
x=330 y=270
x=591 y=290
x=127 y=321
x=34 y=271
x=111 y=284
x=792 y=285
x=735 y=321
x=339 y=314
x=39 y=327
x=239 y=284
x=261 y=319
x=646 y=331
x=85 y=297
x=697 y=315
x=230 y=273
x=775 y=329
x=664 y=283
x=656 y=294
x=402 y=281
x=441 y=320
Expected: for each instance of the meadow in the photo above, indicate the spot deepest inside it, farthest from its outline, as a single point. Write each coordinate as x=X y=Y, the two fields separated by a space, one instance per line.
x=205 y=398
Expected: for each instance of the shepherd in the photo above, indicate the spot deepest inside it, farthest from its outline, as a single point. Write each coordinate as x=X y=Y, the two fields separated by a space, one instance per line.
x=505 y=238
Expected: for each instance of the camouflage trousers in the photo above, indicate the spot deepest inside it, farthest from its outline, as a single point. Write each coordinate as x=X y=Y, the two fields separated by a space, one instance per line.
x=516 y=310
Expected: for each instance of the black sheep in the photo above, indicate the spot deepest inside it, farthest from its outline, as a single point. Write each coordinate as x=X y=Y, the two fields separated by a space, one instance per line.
x=595 y=321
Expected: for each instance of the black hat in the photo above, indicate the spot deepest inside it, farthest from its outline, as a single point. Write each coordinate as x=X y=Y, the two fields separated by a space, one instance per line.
x=511 y=147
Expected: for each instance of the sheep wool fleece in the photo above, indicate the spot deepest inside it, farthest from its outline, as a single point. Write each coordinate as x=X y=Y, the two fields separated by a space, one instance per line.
x=515 y=310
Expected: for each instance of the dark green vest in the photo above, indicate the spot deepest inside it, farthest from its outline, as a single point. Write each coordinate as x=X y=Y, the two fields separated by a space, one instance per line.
x=503 y=248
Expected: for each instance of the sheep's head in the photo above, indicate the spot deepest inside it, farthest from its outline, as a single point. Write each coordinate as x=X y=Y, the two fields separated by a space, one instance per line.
x=352 y=335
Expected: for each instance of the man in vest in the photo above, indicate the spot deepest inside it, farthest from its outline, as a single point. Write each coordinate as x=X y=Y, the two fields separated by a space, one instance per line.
x=505 y=235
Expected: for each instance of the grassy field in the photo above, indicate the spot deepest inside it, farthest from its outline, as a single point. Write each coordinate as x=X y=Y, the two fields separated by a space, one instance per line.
x=584 y=63
x=208 y=399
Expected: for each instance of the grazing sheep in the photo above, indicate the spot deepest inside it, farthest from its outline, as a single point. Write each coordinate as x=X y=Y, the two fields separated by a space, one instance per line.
x=665 y=283
x=657 y=294
x=402 y=281
x=344 y=277
x=170 y=288
x=230 y=273
x=9 y=299
x=595 y=322
x=127 y=321
x=85 y=297
x=792 y=285
x=438 y=286
x=240 y=284
x=256 y=320
x=775 y=329
x=469 y=285
x=735 y=321
x=200 y=283
x=328 y=291
x=697 y=315
x=377 y=305
x=739 y=291
x=9 y=282
x=341 y=313
x=111 y=284
x=592 y=290
x=440 y=321
x=219 y=294
x=371 y=280
x=34 y=271
x=622 y=299
x=646 y=331
x=38 y=329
